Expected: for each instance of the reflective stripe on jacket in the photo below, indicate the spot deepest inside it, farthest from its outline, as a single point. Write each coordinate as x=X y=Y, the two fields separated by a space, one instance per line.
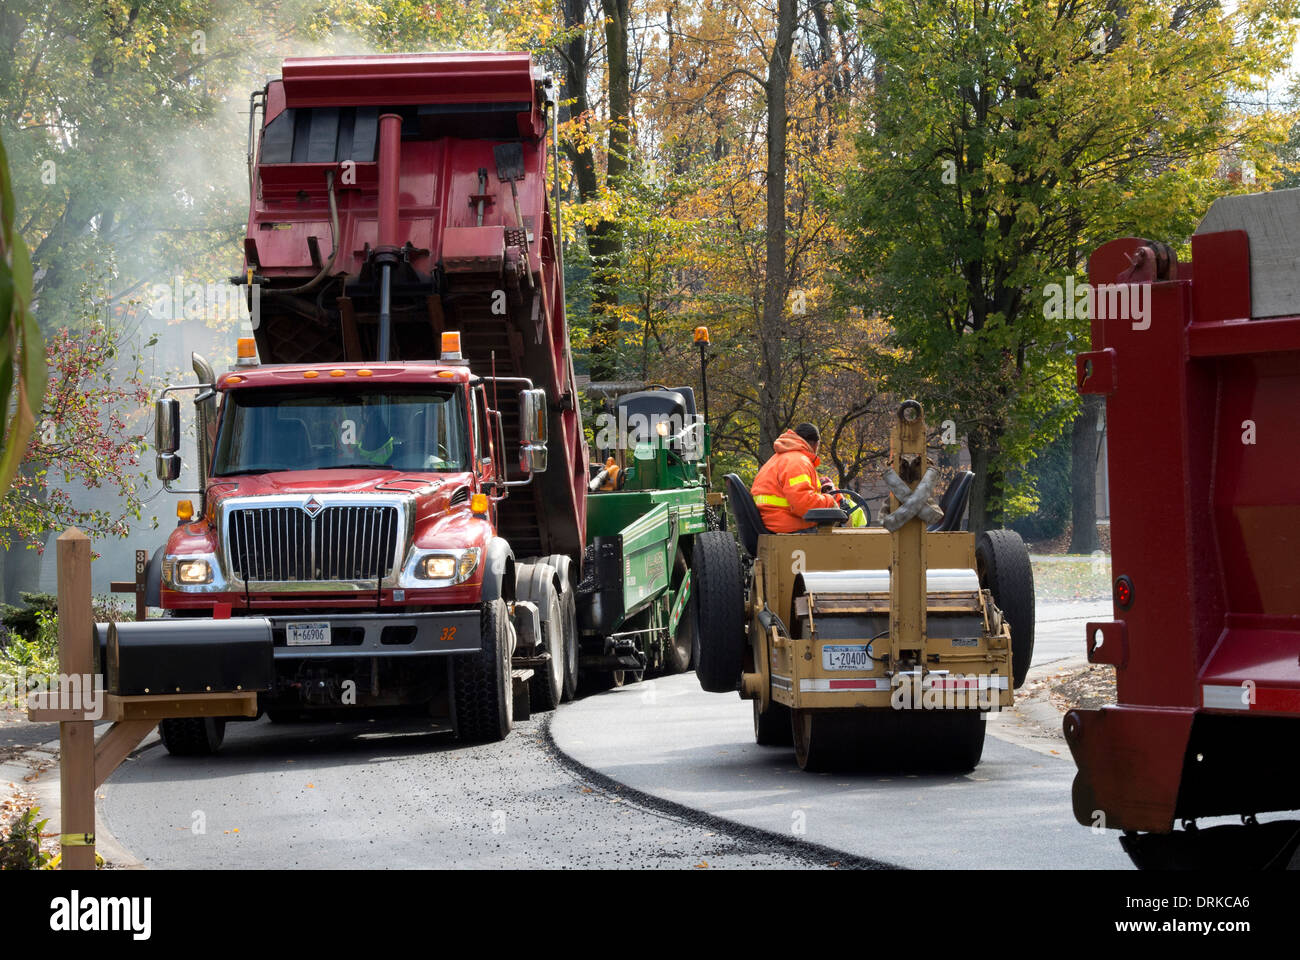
x=787 y=487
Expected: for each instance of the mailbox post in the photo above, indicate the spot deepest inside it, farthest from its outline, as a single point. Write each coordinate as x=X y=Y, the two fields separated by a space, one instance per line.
x=78 y=699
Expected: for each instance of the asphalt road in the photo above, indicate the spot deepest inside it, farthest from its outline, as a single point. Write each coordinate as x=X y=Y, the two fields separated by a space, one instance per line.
x=391 y=794
x=665 y=776
x=668 y=738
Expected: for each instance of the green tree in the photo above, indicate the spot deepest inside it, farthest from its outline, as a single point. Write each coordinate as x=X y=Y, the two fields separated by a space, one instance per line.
x=1003 y=140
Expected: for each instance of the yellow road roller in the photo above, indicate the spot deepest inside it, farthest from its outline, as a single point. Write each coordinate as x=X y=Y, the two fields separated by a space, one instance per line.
x=877 y=647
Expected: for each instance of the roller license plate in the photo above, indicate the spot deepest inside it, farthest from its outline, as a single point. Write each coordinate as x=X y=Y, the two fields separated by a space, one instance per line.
x=307 y=634
x=846 y=656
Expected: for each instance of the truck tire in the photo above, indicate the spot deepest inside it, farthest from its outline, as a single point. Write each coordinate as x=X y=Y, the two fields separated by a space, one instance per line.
x=569 y=615
x=1002 y=561
x=720 y=611
x=536 y=582
x=568 y=609
x=484 y=697
x=772 y=727
x=192 y=736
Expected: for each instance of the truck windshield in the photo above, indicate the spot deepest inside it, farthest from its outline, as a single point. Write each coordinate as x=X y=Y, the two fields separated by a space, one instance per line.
x=408 y=429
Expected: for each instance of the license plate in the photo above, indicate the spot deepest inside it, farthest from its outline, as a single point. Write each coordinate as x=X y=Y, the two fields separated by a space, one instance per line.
x=307 y=634
x=846 y=657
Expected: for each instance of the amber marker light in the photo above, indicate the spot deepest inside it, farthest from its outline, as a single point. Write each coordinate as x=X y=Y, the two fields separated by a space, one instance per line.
x=245 y=352
x=478 y=504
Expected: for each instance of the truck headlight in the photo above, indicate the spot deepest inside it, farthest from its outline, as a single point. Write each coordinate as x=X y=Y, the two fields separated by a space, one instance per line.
x=447 y=566
x=436 y=567
x=193 y=572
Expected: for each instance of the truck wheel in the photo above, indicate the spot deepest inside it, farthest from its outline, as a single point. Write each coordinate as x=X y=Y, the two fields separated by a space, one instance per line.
x=484 y=698
x=720 y=611
x=569 y=616
x=546 y=688
x=772 y=727
x=192 y=736
x=536 y=582
x=1002 y=561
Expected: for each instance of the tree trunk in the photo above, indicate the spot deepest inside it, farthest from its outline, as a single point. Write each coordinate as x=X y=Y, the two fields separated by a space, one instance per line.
x=771 y=341
x=604 y=242
x=986 y=488
x=1083 y=476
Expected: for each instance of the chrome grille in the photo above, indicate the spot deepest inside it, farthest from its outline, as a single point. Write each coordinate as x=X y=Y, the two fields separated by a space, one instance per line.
x=284 y=544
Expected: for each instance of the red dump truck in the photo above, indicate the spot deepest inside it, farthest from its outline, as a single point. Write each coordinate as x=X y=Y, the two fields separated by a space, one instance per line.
x=1200 y=367
x=393 y=476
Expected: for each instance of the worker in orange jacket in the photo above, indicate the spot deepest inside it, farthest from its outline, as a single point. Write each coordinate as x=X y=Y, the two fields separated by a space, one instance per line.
x=787 y=486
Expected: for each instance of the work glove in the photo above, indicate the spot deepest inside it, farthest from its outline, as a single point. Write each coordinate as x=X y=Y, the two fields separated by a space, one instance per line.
x=827 y=486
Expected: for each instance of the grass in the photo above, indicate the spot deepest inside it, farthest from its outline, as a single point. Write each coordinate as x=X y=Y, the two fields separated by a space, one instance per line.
x=1067 y=577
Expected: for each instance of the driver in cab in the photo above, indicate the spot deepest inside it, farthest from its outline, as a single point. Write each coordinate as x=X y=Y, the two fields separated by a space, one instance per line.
x=787 y=486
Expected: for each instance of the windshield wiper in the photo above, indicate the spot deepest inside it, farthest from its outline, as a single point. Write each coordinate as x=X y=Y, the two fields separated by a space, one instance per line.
x=240 y=473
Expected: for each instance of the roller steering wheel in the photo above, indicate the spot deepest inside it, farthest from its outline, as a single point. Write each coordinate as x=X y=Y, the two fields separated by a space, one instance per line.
x=858 y=501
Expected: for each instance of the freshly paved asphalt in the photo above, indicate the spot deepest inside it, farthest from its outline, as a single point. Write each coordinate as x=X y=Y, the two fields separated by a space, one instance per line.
x=654 y=775
x=391 y=794
x=671 y=740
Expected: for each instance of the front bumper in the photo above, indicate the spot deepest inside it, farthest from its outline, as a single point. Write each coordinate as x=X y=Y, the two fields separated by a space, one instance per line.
x=439 y=633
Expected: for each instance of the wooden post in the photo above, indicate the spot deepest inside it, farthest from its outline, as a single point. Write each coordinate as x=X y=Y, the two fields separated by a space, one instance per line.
x=137 y=586
x=76 y=737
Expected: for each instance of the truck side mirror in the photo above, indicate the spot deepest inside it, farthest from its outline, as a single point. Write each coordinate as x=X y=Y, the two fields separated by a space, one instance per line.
x=532 y=458
x=167 y=466
x=167 y=438
x=532 y=431
x=167 y=425
x=532 y=417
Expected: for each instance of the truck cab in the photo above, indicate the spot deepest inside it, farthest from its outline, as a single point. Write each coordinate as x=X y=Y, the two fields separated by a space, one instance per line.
x=393 y=474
